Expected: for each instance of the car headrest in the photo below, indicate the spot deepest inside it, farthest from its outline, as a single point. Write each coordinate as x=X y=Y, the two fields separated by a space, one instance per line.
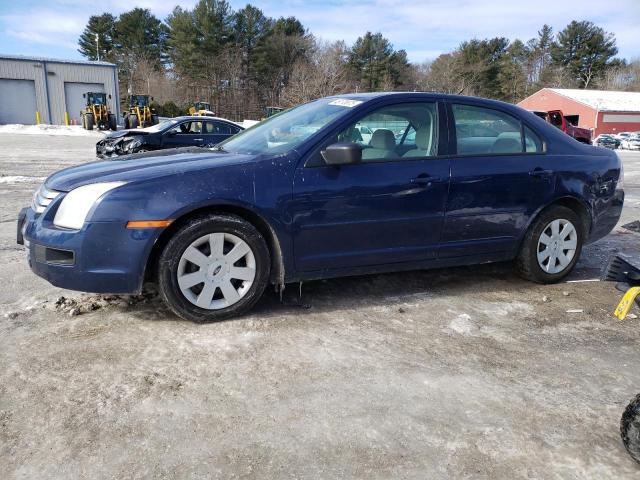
x=507 y=145
x=424 y=137
x=383 y=139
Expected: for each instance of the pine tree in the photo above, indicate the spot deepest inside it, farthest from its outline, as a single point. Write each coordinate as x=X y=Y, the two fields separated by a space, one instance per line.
x=99 y=32
x=585 y=51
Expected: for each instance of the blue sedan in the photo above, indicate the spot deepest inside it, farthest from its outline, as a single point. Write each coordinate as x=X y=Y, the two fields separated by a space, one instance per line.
x=440 y=181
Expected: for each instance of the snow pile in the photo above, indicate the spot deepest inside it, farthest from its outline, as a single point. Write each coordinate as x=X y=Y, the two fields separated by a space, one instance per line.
x=42 y=129
x=20 y=179
x=248 y=123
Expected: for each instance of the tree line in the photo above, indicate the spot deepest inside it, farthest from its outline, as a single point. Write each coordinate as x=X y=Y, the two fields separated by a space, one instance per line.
x=243 y=61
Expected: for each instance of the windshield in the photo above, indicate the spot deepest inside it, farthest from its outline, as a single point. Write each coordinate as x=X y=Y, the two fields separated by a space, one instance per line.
x=163 y=125
x=285 y=131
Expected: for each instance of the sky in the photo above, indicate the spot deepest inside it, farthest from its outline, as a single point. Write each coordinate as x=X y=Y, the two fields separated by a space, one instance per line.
x=50 y=28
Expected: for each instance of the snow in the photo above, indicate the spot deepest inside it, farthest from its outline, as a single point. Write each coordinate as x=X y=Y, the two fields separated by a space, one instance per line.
x=605 y=101
x=20 y=179
x=248 y=123
x=42 y=129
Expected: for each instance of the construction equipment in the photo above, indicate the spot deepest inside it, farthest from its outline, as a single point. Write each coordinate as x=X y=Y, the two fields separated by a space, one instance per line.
x=96 y=113
x=139 y=112
x=201 y=108
x=271 y=111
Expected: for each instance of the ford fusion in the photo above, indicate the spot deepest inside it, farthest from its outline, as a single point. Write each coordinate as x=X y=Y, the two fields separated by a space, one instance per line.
x=437 y=181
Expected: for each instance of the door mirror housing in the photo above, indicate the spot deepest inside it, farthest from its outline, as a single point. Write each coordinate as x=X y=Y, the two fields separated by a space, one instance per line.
x=342 y=153
x=171 y=133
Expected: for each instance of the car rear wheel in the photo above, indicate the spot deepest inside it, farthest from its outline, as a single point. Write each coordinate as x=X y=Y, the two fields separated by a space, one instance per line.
x=215 y=267
x=551 y=246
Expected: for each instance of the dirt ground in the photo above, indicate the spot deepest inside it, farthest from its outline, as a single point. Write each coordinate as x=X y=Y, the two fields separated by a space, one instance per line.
x=466 y=372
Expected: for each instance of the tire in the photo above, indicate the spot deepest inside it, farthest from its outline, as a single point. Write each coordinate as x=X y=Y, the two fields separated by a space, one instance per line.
x=88 y=121
x=527 y=263
x=630 y=428
x=126 y=122
x=173 y=265
x=155 y=119
x=113 y=124
x=133 y=121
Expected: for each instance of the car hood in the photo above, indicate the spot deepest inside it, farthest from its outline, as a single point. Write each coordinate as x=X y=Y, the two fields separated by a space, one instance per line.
x=124 y=133
x=143 y=166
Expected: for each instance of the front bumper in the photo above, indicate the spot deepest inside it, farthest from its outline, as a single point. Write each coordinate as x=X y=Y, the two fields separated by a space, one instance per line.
x=102 y=257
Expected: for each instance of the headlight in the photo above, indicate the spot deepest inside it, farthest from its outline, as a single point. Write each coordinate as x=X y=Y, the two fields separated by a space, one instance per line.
x=76 y=204
x=133 y=144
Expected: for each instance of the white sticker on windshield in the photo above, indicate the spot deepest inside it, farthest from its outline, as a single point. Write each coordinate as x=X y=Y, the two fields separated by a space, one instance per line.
x=345 y=102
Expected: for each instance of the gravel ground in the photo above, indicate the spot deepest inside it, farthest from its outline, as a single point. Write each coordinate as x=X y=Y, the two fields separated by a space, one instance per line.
x=465 y=372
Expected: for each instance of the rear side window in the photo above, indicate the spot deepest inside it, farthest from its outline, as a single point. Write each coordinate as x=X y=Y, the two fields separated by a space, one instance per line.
x=532 y=142
x=484 y=131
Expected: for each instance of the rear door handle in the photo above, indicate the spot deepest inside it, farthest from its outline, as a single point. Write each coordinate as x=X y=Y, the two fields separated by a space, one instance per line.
x=541 y=172
x=424 y=179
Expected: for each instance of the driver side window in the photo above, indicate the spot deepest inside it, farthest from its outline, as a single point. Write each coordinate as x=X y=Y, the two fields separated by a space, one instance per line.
x=396 y=132
x=187 y=128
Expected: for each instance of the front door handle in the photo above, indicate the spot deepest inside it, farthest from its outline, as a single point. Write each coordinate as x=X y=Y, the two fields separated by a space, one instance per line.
x=198 y=139
x=541 y=172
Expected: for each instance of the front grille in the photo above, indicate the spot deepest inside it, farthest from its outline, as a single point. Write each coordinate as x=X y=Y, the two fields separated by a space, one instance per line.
x=42 y=198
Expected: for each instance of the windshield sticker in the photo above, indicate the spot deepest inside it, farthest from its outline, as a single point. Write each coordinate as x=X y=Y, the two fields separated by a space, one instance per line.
x=345 y=102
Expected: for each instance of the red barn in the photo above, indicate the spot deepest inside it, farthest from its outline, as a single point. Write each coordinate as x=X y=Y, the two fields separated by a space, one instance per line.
x=599 y=110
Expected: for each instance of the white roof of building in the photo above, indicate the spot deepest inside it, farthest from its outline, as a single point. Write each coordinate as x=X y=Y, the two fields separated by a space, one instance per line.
x=603 y=100
x=25 y=58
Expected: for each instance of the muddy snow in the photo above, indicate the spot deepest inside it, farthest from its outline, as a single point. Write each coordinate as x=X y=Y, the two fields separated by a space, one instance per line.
x=467 y=372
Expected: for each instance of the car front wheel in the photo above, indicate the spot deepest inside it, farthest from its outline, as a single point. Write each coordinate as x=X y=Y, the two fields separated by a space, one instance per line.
x=213 y=268
x=630 y=428
x=551 y=246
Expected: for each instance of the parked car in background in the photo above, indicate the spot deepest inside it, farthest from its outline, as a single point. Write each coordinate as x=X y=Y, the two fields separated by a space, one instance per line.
x=606 y=140
x=187 y=131
x=365 y=132
x=558 y=120
x=301 y=197
x=631 y=142
x=623 y=135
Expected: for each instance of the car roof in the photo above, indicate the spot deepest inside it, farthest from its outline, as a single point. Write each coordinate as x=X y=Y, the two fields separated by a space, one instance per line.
x=427 y=96
x=202 y=117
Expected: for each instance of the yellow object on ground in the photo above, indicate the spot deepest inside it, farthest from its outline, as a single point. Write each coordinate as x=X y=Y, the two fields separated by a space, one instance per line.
x=626 y=302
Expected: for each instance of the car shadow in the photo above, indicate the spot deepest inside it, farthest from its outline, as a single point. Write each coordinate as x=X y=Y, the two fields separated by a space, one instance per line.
x=388 y=290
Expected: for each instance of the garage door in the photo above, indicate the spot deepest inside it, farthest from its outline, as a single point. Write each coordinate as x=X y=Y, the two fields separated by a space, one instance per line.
x=73 y=97
x=18 y=101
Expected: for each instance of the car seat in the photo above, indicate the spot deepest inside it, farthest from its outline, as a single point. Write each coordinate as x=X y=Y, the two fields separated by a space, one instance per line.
x=382 y=145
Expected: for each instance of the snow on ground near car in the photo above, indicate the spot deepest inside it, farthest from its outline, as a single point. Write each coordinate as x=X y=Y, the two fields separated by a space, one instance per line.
x=464 y=372
x=20 y=179
x=42 y=129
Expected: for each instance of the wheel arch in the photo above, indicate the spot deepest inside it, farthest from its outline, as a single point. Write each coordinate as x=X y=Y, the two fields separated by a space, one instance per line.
x=265 y=229
x=578 y=206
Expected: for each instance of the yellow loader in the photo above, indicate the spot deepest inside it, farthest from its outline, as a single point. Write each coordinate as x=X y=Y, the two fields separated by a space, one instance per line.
x=96 y=112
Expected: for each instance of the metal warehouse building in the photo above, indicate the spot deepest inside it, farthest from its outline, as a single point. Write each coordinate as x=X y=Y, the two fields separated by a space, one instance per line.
x=32 y=88
x=600 y=110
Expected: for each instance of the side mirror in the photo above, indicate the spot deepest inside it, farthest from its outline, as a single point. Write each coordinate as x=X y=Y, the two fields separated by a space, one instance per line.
x=342 y=153
x=171 y=133
x=84 y=95
x=109 y=96
x=152 y=99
